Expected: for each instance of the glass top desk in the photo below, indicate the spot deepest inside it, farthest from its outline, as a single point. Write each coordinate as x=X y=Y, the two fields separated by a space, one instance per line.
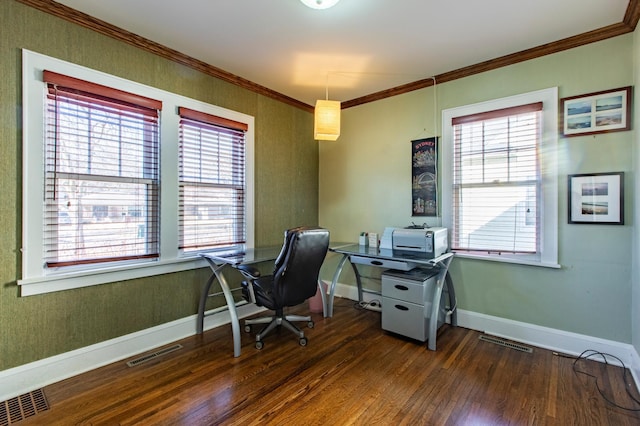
x=218 y=261
x=402 y=260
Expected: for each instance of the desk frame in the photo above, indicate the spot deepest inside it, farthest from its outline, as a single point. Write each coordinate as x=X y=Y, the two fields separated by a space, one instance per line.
x=443 y=278
x=217 y=262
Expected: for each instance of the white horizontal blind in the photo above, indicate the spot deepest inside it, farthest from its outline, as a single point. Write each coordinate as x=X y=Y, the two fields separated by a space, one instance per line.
x=212 y=196
x=101 y=185
x=497 y=181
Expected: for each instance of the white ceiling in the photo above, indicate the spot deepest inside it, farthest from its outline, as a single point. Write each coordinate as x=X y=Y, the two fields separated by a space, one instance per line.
x=358 y=47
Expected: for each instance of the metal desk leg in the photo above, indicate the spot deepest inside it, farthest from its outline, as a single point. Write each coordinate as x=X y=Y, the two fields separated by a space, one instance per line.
x=203 y=303
x=435 y=303
x=231 y=304
x=235 y=322
x=358 y=281
x=323 y=295
x=332 y=290
x=453 y=302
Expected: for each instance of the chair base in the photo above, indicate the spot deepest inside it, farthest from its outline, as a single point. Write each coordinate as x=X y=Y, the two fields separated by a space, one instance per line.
x=279 y=320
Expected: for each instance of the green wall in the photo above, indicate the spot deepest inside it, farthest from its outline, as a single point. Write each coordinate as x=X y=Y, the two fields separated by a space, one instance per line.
x=635 y=252
x=286 y=179
x=365 y=185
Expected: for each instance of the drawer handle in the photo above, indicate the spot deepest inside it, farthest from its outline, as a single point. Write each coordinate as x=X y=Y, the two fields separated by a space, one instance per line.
x=402 y=308
x=376 y=262
x=402 y=287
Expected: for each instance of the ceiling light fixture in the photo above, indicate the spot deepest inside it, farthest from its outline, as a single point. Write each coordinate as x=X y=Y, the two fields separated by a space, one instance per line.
x=326 y=125
x=319 y=4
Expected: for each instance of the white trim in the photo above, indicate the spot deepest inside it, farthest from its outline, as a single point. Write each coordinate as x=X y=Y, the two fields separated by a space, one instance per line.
x=542 y=337
x=68 y=281
x=506 y=259
x=35 y=278
x=635 y=367
x=25 y=378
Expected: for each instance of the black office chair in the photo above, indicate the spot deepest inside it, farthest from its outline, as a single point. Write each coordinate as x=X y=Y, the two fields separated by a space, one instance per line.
x=294 y=280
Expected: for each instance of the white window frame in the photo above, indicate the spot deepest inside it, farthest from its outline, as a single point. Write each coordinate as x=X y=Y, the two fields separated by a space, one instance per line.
x=36 y=279
x=548 y=255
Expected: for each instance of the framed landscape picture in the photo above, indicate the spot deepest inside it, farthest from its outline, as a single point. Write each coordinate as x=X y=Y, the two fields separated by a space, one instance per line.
x=598 y=112
x=596 y=198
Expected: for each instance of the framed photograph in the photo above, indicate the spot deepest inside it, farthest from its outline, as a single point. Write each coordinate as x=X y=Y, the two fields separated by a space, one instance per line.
x=598 y=112
x=596 y=198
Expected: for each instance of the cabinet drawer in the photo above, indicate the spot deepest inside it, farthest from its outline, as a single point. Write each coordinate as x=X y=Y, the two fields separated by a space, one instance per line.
x=405 y=318
x=409 y=290
x=382 y=263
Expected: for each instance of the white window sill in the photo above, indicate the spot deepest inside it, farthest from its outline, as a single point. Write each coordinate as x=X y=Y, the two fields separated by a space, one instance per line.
x=506 y=258
x=86 y=278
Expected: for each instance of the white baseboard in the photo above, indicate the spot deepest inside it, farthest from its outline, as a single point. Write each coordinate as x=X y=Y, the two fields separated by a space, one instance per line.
x=543 y=337
x=635 y=368
x=26 y=378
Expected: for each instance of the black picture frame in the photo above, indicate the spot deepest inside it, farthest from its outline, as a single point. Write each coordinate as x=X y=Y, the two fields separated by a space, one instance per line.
x=596 y=198
x=424 y=177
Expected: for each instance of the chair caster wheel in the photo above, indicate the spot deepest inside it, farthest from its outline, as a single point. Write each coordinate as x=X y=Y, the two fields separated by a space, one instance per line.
x=247 y=329
x=310 y=324
x=259 y=344
x=303 y=341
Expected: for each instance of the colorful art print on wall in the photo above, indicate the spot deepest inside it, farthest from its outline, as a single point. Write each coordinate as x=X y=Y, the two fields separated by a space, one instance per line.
x=424 y=160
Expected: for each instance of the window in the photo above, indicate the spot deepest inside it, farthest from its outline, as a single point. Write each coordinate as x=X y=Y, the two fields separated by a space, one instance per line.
x=109 y=168
x=499 y=185
x=212 y=181
x=101 y=165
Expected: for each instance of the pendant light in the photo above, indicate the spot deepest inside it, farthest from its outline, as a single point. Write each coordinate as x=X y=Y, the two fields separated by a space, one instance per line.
x=326 y=120
x=326 y=125
x=319 y=4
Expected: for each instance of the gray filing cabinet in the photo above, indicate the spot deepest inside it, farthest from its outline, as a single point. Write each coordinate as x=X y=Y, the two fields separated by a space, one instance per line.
x=407 y=302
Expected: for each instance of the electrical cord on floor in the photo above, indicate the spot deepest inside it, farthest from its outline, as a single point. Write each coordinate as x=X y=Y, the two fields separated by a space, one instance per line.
x=365 y=305
x=589 y=353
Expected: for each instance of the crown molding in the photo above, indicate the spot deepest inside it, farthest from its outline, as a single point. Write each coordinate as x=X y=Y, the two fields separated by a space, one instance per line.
x=628 y=25
x=72 y=15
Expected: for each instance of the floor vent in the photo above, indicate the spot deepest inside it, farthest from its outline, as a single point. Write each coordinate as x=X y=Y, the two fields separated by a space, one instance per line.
x=152 y=355
x=22 y=407
x=506 y=343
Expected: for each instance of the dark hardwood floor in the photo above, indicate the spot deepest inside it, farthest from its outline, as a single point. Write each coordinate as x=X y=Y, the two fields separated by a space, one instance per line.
x=351 y=372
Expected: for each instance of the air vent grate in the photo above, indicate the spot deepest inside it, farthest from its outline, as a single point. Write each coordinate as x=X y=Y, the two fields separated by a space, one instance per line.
x=153 y=355
x=506 y=343
x=23 y=406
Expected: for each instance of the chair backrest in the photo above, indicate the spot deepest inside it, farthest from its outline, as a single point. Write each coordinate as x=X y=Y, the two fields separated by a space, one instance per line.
x=295 y=278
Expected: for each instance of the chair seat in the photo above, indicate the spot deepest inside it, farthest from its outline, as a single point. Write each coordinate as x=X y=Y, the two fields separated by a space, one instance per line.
x=263 y=291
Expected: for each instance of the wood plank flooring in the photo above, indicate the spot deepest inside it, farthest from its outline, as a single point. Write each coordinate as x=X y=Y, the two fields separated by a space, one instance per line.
x=351 y=373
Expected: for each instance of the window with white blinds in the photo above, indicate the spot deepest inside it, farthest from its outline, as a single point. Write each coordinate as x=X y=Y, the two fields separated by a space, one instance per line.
x=212 y=193
x=108 y=192
x=101 y=174
x=497 y=180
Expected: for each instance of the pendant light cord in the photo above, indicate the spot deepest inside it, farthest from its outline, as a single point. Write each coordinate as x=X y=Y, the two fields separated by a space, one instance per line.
x=326 y=88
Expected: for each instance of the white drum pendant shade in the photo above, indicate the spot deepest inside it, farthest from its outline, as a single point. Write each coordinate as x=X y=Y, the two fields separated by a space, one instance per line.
x=327 y=120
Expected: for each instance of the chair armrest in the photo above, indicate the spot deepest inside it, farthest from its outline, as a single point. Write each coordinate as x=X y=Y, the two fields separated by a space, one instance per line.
x=249 y=271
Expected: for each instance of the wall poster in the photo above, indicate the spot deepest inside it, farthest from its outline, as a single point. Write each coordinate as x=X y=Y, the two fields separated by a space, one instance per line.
x=424 y=159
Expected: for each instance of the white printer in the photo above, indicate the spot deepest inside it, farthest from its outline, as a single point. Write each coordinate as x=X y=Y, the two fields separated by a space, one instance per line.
x=433 y=242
